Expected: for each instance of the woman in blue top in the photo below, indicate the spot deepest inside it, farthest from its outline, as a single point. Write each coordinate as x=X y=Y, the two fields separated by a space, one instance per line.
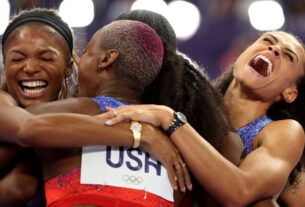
x=269 y=73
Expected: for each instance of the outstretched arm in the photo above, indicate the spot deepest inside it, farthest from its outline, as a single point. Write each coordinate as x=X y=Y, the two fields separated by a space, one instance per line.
x=262 y=174
x=58 y=130
x=76 y=130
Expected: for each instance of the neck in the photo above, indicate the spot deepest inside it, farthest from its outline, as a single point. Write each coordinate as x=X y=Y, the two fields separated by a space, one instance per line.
x=125 y=94
x=243 y=108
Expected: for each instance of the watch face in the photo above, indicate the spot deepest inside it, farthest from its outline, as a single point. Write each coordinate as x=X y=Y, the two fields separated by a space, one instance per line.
x=136 y=126
x=181 y=117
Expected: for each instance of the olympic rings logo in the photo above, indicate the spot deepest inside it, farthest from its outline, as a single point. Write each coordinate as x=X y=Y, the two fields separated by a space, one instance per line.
x=132 y=179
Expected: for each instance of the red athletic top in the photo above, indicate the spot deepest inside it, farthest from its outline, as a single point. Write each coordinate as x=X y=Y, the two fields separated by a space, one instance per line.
x=65 y=190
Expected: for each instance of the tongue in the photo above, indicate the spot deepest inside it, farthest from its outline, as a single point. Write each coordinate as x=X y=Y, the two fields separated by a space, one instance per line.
x=261 y=67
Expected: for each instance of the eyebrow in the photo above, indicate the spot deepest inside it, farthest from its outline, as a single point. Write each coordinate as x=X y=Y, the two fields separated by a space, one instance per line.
x=47 y=51
x=17 y=51
x=40 y=53
x=286 y=48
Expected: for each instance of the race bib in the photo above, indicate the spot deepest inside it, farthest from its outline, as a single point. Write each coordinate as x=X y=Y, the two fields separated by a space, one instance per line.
x=125 y=167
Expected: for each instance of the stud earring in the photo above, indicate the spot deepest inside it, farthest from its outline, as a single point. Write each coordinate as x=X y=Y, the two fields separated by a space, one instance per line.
x=288 y=100
x=99 y=68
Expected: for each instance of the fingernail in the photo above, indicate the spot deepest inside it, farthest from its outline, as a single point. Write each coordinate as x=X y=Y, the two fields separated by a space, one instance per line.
x=108 y=122
x=190 y=187
x=183 y=189
x=175 y=188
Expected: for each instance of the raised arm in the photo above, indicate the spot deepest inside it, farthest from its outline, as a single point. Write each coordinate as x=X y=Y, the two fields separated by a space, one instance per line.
x=262 y=174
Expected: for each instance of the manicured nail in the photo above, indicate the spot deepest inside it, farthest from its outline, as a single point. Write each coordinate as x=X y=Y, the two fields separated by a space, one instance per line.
x=175 y=188
x=183 y=189
x=108 y=122
x=190 y=187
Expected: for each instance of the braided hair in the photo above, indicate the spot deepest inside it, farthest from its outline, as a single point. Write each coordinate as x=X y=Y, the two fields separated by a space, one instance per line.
x=182 y=84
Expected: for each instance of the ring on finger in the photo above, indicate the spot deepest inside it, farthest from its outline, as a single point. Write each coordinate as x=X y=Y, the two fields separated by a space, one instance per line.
x=115 y=112
x=177 y=167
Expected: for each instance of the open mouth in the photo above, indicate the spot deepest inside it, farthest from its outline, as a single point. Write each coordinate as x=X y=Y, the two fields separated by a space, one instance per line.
x=262 y=65
x=33 y=87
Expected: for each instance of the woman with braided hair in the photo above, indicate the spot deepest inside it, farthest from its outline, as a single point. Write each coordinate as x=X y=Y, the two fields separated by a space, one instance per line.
x=117 y=57
x=184 y=86
x=192 y=74
x=268 y=75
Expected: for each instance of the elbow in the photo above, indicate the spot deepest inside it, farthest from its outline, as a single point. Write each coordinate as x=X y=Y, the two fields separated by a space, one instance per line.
x=17 y=196
x=239 y=199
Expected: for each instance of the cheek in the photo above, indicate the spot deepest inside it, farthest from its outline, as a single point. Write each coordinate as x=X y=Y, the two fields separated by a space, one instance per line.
x=10 y=74
x=57 y=76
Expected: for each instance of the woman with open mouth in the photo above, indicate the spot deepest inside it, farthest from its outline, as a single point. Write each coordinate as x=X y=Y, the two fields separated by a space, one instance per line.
x=264 y=95
x=37 y=51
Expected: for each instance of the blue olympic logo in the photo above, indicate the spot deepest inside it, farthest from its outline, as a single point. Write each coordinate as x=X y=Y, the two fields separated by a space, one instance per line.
x=131 y=179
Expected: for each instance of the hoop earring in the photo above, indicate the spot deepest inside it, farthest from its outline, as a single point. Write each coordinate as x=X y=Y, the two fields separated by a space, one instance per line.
x=64 y=90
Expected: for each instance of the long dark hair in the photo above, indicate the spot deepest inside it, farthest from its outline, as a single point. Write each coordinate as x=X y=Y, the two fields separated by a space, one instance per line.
x=182 y=84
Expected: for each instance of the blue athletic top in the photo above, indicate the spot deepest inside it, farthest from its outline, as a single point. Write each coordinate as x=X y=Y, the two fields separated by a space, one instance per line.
x=250 y=131
x=103 y=101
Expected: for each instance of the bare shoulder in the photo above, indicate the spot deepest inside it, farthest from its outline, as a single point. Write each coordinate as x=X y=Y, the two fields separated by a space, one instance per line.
x=287 y=129
x=6 y=99
x=285 y=138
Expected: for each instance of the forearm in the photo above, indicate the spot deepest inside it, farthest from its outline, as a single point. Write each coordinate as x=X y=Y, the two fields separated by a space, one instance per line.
x=251 y=181
x=266 y=203
x=72 y=105
x=71 y=130
x=212 y=170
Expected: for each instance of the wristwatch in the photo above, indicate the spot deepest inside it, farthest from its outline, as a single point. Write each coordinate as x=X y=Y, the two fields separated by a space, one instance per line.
x=136 y=129
x=179 y=120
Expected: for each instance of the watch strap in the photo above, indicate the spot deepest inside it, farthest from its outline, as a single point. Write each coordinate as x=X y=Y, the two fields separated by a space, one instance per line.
x=136 y=129
x=178 y=121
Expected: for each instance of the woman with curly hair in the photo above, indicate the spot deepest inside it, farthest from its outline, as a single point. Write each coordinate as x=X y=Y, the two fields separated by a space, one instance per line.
x=268 y=75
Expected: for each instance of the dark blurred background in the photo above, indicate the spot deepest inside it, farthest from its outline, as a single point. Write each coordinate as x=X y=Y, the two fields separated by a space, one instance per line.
x=224 y=29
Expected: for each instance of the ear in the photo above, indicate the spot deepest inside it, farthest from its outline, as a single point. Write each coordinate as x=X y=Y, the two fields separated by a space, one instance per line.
x=290 y=94
x=108 y=58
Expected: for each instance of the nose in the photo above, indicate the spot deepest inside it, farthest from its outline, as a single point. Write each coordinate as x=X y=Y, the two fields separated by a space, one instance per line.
x=31 y=67
x=275 y=49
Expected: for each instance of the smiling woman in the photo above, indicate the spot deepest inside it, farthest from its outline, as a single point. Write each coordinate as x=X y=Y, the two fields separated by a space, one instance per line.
x=37 y=58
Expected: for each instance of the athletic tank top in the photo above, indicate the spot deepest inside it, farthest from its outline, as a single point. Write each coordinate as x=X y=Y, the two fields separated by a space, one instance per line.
x=250 y=131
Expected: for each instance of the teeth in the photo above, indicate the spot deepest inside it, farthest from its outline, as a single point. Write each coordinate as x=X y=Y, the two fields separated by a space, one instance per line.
x=33 y=91
x=264 y=58
x=33 y=83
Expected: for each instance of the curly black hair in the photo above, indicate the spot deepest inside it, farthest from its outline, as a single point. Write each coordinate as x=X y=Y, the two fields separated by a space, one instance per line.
x=183 y=85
